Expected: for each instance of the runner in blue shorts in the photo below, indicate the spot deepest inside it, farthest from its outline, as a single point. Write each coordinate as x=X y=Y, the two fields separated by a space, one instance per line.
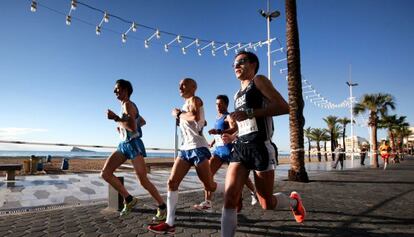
x=194 y=151
x=131 y=148
x=222 y=152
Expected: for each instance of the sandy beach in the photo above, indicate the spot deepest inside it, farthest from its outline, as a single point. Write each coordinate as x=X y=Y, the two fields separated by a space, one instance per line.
x=76 y=165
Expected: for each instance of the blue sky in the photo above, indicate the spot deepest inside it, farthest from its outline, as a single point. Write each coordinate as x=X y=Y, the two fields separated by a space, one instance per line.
x=57 y=80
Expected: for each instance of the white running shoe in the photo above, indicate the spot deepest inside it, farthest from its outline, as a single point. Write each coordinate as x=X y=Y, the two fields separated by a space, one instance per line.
x=204 y=206
x=254 y=198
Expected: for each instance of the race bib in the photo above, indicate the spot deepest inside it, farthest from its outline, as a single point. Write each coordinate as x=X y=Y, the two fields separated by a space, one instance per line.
x=218 y=140
x=247 y=126
x=122 y=134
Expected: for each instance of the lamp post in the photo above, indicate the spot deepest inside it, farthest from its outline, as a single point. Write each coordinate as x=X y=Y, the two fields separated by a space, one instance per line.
x=351 y=100
x=269 y=16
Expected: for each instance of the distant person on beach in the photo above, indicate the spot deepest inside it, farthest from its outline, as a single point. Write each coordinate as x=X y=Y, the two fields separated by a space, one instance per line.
x=222 y=152
x=130 y=148
x=340 y=156
x=193 y=151
x=256 y=102
x=385 y=152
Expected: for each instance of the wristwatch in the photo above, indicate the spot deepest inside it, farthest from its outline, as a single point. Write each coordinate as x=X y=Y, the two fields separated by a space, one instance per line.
x=250 y=113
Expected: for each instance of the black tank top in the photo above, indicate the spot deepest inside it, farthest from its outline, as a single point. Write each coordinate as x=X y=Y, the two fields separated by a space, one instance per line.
x=256 y=129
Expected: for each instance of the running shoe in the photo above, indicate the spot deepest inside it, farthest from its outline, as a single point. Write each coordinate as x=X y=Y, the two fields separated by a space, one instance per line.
x=161 y=215
x=204 y=206
x=299 y=212
x=128 y=207
x=254 y=198
x=162 y=228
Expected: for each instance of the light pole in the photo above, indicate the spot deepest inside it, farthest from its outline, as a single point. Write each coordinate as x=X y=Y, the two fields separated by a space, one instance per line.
x=269 y=16
x=351 y=100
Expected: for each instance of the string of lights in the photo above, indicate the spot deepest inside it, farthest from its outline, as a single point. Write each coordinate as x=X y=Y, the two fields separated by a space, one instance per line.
x=312 y=95
x=171 y=39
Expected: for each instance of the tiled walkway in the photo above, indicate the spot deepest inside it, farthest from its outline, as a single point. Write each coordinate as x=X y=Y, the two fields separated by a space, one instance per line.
x=75 y=189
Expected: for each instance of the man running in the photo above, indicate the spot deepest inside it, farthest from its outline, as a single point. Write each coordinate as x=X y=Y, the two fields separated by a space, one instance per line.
x=255 y=104
x=222 y=152
x=385 y=152
x=132 y=148
x=193 y=151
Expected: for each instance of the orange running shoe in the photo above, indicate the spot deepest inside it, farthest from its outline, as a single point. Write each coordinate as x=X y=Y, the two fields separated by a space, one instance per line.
x=299 y=212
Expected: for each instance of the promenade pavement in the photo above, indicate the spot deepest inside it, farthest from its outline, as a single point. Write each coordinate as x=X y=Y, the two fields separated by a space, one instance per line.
x=351 y=202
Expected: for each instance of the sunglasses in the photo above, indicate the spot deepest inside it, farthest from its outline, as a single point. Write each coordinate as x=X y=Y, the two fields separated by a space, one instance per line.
x=240 y=62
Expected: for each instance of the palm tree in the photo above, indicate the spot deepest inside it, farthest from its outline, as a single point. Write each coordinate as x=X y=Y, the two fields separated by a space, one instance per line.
x=307 y=132
x=297 y=170
x=331 y=122
x=325 y=138
x=344 y=121
x=392 y=123
x=377 y=105
x=317 y=135
x=401 y=130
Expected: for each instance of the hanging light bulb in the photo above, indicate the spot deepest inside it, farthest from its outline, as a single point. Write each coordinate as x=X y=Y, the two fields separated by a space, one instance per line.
x=106 y=17
x=179 y=40
x=165 y=47
x=183 y=50
x=213 y=52
x=124 y=38
x=134 y=27
x=225 y=52
x=146 y=44
x=199 y=52
x=73 y=5
x=68 y=20
x=157 y=34
x=98 y=30
x=33 y=6
x=197 y=42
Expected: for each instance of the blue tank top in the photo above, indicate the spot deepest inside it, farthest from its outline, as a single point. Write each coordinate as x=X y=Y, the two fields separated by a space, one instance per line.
x=222 y=125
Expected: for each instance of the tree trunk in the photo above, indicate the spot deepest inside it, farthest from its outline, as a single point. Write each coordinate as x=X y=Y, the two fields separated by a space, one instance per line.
x=297 y=170
x=343 y=139
x=309 y=149
x=318 y=147
x=326 y=152
x=332 y=144
x=374 y=146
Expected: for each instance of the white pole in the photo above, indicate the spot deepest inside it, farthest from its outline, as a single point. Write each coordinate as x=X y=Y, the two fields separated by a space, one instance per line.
x=268 y=40
x=352 y=115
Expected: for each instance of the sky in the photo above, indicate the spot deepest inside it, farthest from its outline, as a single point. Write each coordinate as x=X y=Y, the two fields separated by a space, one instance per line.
x=57 y=80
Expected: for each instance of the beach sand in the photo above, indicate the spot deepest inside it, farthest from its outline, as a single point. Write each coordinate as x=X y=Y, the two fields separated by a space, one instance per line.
x=76 y=165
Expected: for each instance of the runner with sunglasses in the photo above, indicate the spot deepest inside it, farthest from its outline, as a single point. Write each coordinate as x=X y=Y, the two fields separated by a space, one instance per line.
x=130 y=148
x=256 y=102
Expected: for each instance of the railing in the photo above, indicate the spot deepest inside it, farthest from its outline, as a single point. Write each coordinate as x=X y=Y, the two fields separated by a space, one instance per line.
x=79 y=145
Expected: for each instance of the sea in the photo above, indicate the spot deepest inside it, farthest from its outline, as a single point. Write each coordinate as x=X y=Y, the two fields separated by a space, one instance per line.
x=71 y=154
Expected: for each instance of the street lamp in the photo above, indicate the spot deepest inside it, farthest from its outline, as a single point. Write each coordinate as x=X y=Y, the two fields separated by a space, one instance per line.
x=269 y=16
x=351 y=100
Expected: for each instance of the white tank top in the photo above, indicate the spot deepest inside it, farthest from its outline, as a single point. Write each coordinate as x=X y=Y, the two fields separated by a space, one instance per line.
x=190 y=131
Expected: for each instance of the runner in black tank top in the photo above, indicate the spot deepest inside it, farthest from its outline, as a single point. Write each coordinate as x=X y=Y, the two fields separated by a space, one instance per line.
x=256 y=103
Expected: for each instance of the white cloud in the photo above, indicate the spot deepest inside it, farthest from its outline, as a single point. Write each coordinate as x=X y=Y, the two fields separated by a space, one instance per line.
x=14 y=133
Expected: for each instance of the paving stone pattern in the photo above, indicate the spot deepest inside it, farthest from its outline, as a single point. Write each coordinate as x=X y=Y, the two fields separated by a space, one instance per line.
x=359 y=202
